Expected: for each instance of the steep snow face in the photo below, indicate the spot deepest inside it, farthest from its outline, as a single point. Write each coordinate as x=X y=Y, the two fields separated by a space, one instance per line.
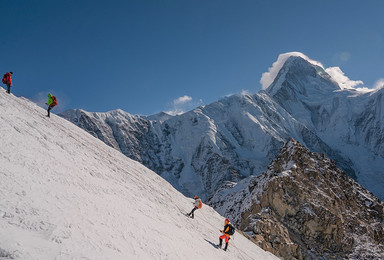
x=66 y=195
x=268 y=77
x=134 y=136
x=348 y=120
x=300 y=84
x=211 y=146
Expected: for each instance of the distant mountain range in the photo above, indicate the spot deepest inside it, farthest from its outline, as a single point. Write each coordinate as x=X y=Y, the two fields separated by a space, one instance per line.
x=215 y=146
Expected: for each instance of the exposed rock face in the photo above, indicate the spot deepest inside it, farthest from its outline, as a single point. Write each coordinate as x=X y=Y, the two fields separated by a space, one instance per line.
x=304 y=207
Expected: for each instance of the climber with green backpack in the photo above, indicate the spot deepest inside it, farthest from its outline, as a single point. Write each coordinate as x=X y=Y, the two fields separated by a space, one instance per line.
x=52 y=101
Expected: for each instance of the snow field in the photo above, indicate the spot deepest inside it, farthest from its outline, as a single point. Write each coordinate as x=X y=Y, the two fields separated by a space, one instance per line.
x=66 y=195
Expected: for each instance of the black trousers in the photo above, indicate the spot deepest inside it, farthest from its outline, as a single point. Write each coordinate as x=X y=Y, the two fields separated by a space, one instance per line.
x=8 y=88
x=49 y=111
x=191 y=213
x=221 y=242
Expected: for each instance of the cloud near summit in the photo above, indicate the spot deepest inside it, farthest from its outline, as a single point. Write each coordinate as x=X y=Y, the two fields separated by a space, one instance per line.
x=182 y=104
x=268 y=77
x=335 y=72
x=182 y=100
x=344 y=82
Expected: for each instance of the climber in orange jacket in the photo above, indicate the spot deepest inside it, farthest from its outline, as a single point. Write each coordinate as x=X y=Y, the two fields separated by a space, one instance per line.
x=228 y=231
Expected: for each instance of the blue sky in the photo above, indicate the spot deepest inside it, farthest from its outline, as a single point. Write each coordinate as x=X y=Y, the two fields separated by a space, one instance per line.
x=149 y=56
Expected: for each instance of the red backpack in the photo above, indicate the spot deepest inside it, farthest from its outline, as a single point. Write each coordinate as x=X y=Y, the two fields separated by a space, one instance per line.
x=54 y=101
x=5 y=78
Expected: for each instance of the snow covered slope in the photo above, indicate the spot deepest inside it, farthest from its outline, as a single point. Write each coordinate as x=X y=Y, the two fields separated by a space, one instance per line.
x=66 y=195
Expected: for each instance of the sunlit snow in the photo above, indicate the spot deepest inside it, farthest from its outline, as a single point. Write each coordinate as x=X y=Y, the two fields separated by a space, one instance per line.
x=66 y=195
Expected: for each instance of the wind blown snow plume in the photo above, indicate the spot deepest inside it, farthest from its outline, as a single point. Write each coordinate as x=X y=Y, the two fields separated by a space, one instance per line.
x=66 y=195
x=343 y=81
x=182 y=104
x=335 y=72
x=268 y=77
x=379 y=84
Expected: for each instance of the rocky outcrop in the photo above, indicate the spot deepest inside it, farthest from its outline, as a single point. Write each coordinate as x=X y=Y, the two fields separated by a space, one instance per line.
x=304 y=207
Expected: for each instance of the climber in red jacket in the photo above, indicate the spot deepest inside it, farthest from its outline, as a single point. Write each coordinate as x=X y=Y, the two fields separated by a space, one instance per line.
x=7 y=80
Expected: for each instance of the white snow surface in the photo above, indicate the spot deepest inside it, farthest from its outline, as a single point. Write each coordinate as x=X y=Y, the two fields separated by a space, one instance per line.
x=66 y=195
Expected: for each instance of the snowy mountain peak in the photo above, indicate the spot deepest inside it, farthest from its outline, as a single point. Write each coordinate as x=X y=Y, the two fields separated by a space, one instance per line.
x=161 y=117
x=269 y=76
x=334 y=74
x=302 y=77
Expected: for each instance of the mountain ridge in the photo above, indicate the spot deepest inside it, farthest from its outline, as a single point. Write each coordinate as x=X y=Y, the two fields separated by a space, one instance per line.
x=237 y=136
